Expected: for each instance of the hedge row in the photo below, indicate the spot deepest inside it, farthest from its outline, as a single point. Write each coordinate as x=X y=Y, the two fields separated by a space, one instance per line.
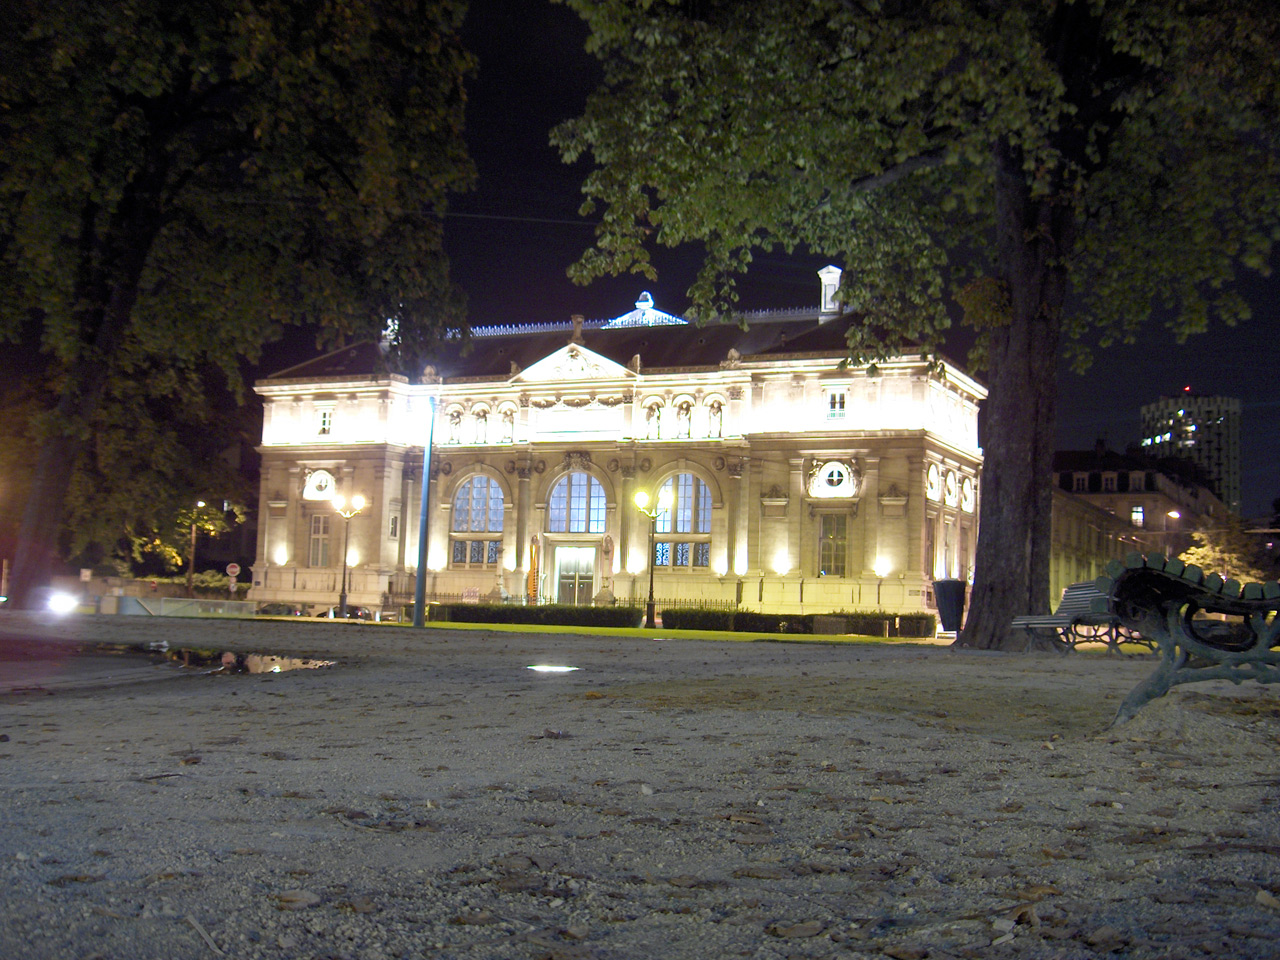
x=552 y=614
x=724 y=621
x=746 y=621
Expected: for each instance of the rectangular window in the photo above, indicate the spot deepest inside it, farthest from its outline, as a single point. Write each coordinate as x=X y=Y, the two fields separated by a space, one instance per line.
x=556 y=518
x=835 y=404
x=1137 y=516
x=684 y=503
x=682 y=554
x=702 y=554
x=597 y=513
x=326 y=423
x=578 y=501
x=1081 y=484
x=1109 y=483
x=495 y=506
x=394 y=532
x=662 y=554
x=477 y=554
x=318 y=555
x=833 y=544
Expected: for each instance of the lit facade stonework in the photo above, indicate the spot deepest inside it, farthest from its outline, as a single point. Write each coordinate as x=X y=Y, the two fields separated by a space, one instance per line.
x=799 y=485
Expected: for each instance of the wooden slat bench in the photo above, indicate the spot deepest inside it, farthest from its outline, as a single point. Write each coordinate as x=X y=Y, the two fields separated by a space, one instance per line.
x=1083 y=616
x=1206 y=628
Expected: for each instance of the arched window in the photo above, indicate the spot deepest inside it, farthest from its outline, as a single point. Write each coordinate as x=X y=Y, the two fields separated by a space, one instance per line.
x=576 y=505
x=683 y=531
x=477 y=516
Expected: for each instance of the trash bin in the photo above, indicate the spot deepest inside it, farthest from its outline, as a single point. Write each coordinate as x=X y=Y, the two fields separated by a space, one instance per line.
x=950 y=597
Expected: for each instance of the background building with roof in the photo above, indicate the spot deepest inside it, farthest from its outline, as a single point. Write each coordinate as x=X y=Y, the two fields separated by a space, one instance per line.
x=1107 y=504
x=1204 y=430
x=798 y=483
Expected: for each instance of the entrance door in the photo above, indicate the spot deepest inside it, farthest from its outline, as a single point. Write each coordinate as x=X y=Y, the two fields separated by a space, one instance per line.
x=575 y=572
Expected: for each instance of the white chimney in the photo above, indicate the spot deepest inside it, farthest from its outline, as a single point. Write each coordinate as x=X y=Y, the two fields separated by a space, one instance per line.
x=831 y=307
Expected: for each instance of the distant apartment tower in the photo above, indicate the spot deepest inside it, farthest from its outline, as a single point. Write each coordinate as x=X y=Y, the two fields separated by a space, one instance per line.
x=1204 y=430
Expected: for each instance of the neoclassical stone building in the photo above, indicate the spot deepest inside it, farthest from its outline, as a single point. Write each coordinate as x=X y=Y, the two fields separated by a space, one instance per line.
x=797 y=483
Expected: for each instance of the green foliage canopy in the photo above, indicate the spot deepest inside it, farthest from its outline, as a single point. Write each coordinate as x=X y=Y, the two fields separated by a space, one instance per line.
x=181 y=179
x=254 y=163
x=1229 y=550
x=867 y=132
x=1063 y=169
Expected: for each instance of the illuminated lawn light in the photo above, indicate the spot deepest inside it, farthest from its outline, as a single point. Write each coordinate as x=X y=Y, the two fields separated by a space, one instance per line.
x=550 y=668
x=62 y=602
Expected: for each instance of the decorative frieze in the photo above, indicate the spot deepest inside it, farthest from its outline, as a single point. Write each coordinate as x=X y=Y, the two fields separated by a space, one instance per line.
x=576 y=460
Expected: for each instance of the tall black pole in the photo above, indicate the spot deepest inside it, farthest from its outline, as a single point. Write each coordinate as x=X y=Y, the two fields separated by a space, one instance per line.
x=420 y=581
x=649 y=620
x=346 y=541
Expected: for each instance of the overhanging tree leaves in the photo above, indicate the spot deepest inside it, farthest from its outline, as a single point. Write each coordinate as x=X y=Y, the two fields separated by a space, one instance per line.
x=179 y=179
x=162 y=440
x=1065 y=169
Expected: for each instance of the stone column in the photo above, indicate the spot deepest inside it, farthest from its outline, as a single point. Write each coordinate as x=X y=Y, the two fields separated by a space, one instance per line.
x=797 y=542
x=732 y=513
x=627 y=514
x=915 y=560
x=438 y=515
x=408 y=512
x=754 y=520
x=870 y=512
x=292 y=512
x=524 y=503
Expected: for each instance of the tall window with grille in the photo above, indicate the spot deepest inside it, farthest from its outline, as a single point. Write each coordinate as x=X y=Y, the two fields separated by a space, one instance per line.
x=576 y=505
x=475 y=540
x=833 y=544
x=836 y=403
x=318 y=552
x=683 y=531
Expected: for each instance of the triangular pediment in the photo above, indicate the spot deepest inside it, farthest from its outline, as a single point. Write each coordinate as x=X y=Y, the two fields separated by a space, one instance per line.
x=572 y=363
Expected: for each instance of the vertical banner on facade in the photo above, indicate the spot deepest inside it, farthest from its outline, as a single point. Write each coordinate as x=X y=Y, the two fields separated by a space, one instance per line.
x=531 y=588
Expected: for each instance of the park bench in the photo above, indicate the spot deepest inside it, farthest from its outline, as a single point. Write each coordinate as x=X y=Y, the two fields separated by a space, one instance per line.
x=1082 y=617
x=1205 y=627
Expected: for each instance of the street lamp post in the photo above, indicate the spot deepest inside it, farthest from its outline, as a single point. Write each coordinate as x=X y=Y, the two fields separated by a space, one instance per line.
x=642 y=503
x=346 y=511
x=191 y=566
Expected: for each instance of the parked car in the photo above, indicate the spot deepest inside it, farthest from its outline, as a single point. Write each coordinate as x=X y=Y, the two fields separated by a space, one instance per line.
x=280 y=610
x=353 y=613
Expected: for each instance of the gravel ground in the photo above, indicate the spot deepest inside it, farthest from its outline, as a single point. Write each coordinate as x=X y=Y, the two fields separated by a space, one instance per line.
x=429 y=796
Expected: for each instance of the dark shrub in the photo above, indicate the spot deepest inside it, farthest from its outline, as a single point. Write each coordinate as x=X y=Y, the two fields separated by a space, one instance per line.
x=549 y=614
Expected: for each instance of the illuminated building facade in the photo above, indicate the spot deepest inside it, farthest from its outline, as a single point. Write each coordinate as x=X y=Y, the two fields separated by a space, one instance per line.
x=797 y=484
x=1204 y=430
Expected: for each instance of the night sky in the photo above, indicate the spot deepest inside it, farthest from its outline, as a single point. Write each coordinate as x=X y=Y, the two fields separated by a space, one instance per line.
x=511 y=240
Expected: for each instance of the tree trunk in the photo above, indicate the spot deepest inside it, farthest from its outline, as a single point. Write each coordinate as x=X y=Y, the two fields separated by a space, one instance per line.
x=1034 y=235
x=110 y=290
